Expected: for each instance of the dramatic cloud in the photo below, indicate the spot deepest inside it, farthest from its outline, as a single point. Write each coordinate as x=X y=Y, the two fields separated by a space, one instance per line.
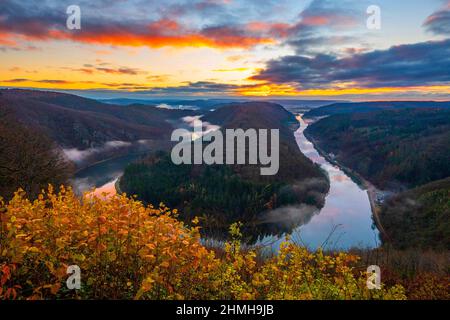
x=325 y=24
x=316 y=47
x=439 y=22
x=113 y=85
x=48 y=81
x=29 y=23
x=17 y=80
x=329 y=12
x=405 y=65
x=90 y=69
x=195 y=88
x=175 y=25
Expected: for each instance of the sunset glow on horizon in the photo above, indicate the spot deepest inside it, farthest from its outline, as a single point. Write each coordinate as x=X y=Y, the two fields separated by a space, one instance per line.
x=311 y=49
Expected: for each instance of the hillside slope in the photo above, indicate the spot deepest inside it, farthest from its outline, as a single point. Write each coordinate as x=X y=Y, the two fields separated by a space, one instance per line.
x=360 y=107
x=29 y=160
x=222 y=194
x=263 y=115
x=79 y=122
x=392 y=149
x=419 y=217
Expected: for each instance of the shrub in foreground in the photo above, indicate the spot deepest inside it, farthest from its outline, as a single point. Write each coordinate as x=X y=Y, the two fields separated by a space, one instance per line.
x=126 y=250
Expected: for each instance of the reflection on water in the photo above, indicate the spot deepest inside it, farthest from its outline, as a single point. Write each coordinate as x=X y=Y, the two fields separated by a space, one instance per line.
x=102 y=176
x=108 y=189
x=346 y=219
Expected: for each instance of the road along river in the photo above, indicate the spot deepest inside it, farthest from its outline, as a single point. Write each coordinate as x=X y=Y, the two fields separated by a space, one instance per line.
x=345 y=221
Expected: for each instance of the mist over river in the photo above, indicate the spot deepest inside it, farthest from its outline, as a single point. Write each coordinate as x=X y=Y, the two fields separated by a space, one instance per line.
x=103 y=175
x=345 y=221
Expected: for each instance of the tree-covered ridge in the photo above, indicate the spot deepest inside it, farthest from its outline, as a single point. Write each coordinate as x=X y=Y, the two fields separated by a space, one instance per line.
x=216 y=194
x=362 y=107
x=389 y=148
x=294 y=165
x=222 y=194
x=420 y=217
x=29 y=159
x=74 y=122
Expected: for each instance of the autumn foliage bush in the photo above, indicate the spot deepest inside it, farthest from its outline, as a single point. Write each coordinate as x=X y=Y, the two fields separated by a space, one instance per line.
x=126 y=250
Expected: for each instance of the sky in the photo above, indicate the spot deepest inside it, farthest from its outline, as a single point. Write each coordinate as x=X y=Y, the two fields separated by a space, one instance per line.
x=302 y=49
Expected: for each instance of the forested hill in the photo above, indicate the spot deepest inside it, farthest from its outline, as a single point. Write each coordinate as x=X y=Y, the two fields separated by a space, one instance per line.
x=76 y=122
x=197 y=104
x=28 y=159
x=252 y=115
x=359 y=107
x=390 y=148
x=419 y=217
x=257 y=115
x=222 y=194
x=294 y=165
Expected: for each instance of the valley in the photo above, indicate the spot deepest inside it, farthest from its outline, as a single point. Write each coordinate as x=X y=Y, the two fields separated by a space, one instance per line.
x=237 y=151
x=347 y=207
x=335 y=172
x=89 y=131
x=320 y=199
x=402 y=156
x=224 y=194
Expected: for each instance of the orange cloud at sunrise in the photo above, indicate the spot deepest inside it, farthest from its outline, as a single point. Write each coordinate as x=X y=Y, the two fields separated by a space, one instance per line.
x=314 y=48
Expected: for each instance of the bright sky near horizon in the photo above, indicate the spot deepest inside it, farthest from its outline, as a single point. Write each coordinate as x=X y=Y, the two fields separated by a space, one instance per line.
x=319 y=49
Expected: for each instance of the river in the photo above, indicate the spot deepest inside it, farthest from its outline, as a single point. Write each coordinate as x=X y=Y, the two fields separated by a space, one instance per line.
x=101 y=177
x=345 y=221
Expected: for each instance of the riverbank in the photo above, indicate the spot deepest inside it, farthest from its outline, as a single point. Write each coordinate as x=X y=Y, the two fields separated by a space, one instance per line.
x=344 y=222
x=372 y=191
x=117 y=185
x=119 y=156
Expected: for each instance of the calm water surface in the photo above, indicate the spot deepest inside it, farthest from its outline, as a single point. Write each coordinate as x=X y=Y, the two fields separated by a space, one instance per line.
x=346 y=219
x=103 y=175
x=344 y=222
